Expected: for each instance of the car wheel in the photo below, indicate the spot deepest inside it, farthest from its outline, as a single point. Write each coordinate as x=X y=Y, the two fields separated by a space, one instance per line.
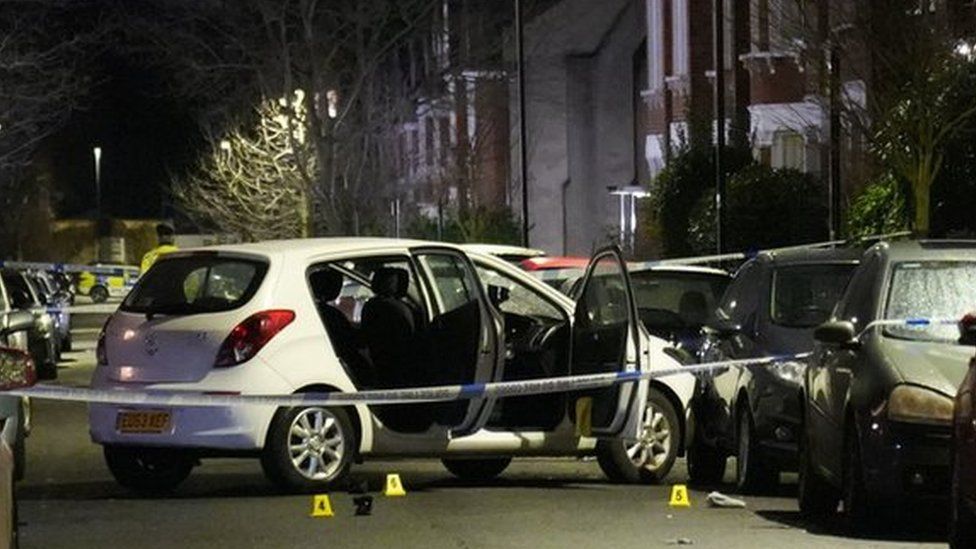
x=962 y=521
x=66 y=343
x=150 y=470
x=309 y=448
x=476 y=469
x=815 y=495
x=649 y=459
x=857 y=507
x=99 y=294
x=752 y=474
x=706 y=464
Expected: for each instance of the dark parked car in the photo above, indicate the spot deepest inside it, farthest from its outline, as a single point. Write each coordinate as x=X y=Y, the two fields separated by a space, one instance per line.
x=15 y=328
x=962 y=519
x=57 y=301
x=43 y=341
x=878 y=389
x=751 y=412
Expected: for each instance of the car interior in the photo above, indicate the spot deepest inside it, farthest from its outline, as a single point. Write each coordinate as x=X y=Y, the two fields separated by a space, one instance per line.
x=536 y=346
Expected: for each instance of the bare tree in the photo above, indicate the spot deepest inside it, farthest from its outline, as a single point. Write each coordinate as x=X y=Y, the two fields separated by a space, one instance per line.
x=253 y=183
x=229 y=55
x=42 y=76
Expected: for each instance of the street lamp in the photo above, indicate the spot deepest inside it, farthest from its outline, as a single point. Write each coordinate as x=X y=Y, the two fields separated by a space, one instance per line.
x=97 y=153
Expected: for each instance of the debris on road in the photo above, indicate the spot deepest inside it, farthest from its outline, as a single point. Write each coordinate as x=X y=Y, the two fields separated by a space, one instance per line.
x=718 y=499
x=680 y=541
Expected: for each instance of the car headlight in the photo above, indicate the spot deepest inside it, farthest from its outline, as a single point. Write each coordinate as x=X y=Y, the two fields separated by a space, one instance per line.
x=912 y=404
x=790 y=371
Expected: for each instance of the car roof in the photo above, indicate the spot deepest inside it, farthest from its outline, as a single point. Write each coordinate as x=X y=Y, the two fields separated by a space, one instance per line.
x=503 y=250
x=691 y=269
x=309 y=246
x=914 y=250
x=812 y=255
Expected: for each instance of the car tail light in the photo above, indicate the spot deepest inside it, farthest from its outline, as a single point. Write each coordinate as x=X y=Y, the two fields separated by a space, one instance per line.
x=248 y=337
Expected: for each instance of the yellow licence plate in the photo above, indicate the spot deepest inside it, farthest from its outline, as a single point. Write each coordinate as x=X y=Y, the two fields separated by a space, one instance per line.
x=151 y=422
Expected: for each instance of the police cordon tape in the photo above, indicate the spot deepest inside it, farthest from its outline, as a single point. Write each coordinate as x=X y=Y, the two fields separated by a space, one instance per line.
x=442 y=393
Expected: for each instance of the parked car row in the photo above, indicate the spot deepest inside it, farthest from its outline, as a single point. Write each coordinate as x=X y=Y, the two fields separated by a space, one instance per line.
x=46 y=298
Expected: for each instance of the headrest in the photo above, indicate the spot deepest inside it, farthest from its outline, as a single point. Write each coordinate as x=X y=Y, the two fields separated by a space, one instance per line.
x=326 y=284
x=391 y=282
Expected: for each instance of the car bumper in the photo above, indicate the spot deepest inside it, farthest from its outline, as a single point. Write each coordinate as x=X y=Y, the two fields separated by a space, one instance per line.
x=904 y=459
x=230 y=428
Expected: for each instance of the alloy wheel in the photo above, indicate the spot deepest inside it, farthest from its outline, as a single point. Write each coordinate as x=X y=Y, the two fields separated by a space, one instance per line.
x=315 y=444
x=652 y=449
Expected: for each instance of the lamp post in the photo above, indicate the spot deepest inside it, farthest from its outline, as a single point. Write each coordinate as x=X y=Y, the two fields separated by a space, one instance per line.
x=97 y=153
x=520 y=86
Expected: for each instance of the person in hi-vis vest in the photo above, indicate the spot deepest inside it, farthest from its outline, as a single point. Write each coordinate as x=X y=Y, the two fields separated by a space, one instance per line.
x=166 y=237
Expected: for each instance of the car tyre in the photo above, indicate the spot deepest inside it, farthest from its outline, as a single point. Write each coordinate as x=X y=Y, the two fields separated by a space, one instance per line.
x=857 y=504
x=649 y=460
x=309 y=448
x=148 y=470
x=816 y=497
x=476 y=469
x=752 y=474
x=962 y=521
x=706 y=464
x=48 y=369
x=66 y=343
x=99 y=294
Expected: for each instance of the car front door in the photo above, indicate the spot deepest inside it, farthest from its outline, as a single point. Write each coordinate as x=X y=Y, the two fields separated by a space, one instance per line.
x=465 y=335
x=606 y=339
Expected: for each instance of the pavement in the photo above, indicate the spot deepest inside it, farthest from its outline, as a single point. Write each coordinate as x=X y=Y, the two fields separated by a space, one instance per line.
x=68 y=499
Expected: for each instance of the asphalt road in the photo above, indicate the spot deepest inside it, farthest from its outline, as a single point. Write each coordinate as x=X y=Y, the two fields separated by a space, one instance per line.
x=68 y=499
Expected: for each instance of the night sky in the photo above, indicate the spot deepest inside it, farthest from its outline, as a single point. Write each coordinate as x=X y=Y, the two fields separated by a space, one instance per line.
x=144 y=135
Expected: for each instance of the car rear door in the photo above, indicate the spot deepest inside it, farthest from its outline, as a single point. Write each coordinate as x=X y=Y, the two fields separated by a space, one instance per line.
x=465 y=335
x=606 y=339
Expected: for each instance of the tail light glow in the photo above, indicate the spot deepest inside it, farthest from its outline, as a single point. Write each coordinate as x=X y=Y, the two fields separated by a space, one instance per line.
x=251 y=335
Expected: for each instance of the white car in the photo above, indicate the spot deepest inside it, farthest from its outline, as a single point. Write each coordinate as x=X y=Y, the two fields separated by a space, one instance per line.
x=348 y=314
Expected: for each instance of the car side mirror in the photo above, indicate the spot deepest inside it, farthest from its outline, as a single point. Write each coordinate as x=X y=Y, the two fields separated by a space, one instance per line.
x=967 y=330
x=723 y=327
x=839 y=333
x=498 y=294
x=16 y=369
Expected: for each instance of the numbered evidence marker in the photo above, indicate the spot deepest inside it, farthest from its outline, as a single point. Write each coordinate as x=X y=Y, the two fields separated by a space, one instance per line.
x=679 y=496
x=584 y=417
x=321 y=506
x=393 y=486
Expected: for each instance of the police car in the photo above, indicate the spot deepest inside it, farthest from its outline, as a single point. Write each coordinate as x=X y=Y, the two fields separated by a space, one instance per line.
x=351 y=314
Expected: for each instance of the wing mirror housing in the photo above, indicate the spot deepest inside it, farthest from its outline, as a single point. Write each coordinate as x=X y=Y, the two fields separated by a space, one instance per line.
x=498 y=294
x=839 y=333
x=17 y=369
x=967 y=330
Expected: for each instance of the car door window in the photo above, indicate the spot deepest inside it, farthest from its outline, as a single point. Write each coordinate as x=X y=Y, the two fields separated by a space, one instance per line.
x=453 y=285
x=741 y=298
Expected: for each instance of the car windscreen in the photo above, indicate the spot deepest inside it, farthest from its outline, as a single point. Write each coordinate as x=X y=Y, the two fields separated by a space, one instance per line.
x=196 y=284
x=803 y=296
x=676 y=300
x=933 y=290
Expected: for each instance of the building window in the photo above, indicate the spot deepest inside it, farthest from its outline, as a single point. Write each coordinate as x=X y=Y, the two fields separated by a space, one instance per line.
x=788 y=151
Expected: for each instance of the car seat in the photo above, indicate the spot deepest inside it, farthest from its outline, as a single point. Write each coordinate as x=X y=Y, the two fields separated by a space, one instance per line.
x=693 y=308
x=389 y=327
x=326 y=286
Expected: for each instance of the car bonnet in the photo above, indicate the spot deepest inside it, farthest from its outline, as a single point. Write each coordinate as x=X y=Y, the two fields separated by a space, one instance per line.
x=939 y=366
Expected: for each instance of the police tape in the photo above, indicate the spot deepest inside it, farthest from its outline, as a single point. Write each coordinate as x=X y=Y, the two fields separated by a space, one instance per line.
x=443 y=393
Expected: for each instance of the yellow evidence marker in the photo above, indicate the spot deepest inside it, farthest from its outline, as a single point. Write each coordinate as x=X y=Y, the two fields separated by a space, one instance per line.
x=321 y=506
x=679 y=496
x=584 y=417
x=393 y=486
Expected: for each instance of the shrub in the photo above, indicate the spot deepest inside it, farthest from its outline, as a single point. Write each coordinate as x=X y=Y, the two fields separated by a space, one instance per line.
x=879 y=209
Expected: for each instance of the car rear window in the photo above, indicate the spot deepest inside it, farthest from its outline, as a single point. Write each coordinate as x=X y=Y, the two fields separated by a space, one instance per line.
x=196 y=284
x=676 y=300
x=803 y=296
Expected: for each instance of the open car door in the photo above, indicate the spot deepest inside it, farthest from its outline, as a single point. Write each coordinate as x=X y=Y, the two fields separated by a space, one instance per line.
x=465 y=334
x=606 y=339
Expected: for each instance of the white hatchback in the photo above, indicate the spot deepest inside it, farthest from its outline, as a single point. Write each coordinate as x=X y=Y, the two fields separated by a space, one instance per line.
x=349 y=314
